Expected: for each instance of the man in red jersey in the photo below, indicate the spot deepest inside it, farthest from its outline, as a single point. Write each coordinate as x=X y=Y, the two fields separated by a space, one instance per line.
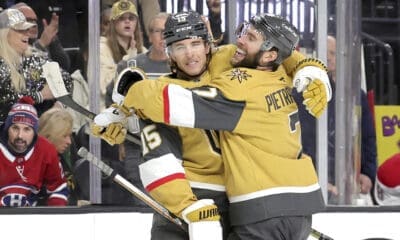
x=28 y=161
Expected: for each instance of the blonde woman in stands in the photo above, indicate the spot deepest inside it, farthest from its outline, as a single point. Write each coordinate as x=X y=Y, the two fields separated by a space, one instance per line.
x=56 y=126
x=20 y=69
x=123 y=40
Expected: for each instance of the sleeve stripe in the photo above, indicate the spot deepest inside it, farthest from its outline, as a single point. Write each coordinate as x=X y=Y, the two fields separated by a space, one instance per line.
x=164 y=180
x=158 y=168
x=180 y=106
x=166 y=105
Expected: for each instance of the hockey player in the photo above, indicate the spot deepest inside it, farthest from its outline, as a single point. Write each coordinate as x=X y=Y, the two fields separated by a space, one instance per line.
x=159 y=185
x=28 y=161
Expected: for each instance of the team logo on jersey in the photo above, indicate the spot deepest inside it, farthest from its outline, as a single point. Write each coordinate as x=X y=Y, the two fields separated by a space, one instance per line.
x=14 y=200
x=238 y=74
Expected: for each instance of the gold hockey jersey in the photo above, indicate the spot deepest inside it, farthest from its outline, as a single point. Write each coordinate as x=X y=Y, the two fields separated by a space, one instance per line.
x=155 y=100
x=265 y=173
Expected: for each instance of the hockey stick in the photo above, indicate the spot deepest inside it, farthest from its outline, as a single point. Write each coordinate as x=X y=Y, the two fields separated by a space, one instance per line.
x=108 y=171
x=52 y=73
x=318 y=235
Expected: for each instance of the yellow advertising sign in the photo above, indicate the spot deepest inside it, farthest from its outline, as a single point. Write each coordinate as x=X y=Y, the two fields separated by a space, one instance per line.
x=387 y=119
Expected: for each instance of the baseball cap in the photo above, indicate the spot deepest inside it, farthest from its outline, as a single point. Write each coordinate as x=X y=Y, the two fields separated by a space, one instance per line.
x=13 y=18
x=121 y=7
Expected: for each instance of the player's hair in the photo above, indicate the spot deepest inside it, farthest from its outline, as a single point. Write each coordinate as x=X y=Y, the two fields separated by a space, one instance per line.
x=278 y=33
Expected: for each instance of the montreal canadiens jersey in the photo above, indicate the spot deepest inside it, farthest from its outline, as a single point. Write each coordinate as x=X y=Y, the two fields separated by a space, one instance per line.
x=21 y=178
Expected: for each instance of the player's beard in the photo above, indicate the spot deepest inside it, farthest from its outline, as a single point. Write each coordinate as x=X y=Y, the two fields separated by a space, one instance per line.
x=250 y=61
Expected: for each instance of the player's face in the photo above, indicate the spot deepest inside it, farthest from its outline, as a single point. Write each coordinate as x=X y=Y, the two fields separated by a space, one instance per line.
x=248 y=42
x=125 y=25
x=20 y=136
x=190 y=55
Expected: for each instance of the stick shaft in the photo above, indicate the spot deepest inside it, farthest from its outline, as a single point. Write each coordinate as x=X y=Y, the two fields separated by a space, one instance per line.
x=318 y=235
x=52 y=73
x=68 y=101
x=83 y=152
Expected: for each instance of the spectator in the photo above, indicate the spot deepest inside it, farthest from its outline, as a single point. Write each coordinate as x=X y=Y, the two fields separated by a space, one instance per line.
x=105 y=21
x=147 y=9
x=73 y=19
x=212 y=113
x=56 y=125
x=368 y=136
x=387 y=185
x=80 y=93
x=28 y=162
x=123 y=41
x=48 y=43
x=154 y=62
x=20 y=70
x=214 y=16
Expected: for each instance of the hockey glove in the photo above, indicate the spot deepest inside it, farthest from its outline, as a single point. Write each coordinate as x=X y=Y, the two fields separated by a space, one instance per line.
x=125 y=79
x=110 y=124
x=114 y=133
x=203 y=220
x=315 y=99
x=318 y=94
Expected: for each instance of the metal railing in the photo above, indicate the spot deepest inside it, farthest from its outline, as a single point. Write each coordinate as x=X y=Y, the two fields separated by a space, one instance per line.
x=380 y=69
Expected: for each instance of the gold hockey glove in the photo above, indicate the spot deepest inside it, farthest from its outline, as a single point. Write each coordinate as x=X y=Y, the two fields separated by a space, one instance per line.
x=110 y=124
x=114 y=133
x=315 y=98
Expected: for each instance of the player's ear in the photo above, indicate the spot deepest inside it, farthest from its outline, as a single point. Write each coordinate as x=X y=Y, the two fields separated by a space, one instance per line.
x=268 y=56
x=208 y=47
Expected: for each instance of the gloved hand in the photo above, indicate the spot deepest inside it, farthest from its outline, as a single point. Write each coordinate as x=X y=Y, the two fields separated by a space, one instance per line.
x=318 y=94
x=114 y=133
x=110 y=124
x=315 y=98
x=203 y=220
